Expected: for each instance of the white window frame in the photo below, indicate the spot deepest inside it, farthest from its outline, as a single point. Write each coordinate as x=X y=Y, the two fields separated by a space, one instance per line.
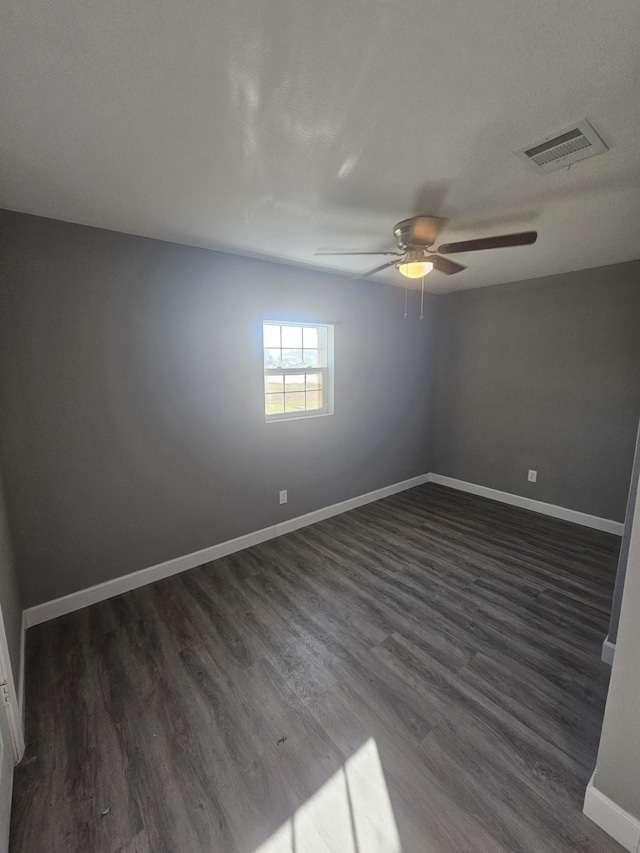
x=326 y=346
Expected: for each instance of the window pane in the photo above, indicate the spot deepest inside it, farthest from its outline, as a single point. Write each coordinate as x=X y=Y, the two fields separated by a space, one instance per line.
x=274 y=384
x=310 y=339
x=314 y=399
x=292 y=337
x=273 y=403
x=294 y=402
x=292 y=358
x=314 y=381
x=297 y=377
x=294 y=383
x=313 y=358
x=272 y=357
x=271 y=335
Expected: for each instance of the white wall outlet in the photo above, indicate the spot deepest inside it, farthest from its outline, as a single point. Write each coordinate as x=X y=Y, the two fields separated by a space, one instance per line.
x=533 y=476
x=283 y=496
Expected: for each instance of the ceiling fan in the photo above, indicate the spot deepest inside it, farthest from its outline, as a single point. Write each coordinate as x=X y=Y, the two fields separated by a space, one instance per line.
x=416 y=236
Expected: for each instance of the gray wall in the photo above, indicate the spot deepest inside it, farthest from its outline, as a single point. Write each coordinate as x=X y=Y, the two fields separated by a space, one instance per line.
x=131 y=388
x=542 y=374
x=131 y=381
x=618 y=768
x=624 y=546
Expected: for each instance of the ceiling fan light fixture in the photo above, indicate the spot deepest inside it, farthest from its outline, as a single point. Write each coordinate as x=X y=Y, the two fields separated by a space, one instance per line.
x=414 y=269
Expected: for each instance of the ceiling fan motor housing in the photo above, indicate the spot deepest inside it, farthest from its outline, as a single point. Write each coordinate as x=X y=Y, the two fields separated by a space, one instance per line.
x=417 y=231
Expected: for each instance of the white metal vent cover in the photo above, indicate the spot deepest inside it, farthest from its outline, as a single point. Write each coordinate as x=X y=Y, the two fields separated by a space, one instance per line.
x=562 y=149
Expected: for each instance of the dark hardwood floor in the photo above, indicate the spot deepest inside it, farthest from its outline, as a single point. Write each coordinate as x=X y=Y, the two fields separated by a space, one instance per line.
x=421 y=674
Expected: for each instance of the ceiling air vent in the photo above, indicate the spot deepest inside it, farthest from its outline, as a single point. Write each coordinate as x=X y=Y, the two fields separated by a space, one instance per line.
x=564 y=148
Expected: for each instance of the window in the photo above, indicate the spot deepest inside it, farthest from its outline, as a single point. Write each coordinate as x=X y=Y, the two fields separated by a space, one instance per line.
x=298 y=367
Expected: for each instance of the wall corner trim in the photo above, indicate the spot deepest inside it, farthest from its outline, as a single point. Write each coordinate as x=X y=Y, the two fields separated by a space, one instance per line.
x=605 y=524
x=22 y=664
x=616 y=822
x=100 y=592
x=20 y=722
x=608 y=651
x=12 y=707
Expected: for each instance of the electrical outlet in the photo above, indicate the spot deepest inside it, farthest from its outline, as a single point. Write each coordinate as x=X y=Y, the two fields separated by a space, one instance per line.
x=533 y=476
x=283 y=496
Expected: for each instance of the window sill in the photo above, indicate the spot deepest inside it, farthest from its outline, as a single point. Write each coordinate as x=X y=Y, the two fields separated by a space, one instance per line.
x=279 y=420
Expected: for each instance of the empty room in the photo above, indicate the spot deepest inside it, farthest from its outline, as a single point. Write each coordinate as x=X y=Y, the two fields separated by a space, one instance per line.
x=319 y=427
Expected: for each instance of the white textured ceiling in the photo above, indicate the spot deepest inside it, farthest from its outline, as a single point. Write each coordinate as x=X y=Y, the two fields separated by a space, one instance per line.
x=275 y=127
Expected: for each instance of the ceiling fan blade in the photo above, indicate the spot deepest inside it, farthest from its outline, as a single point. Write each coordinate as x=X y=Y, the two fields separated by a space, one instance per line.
x=375 y=270
x=445 y=265
x=325 y=254
x=525 y=238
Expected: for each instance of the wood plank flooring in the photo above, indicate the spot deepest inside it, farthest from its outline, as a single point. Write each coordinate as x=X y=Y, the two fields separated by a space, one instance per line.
x=243 y=706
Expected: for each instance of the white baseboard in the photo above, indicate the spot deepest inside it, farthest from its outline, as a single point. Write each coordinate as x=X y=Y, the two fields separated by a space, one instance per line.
x=352 y=503
x=616 y=822
x=100 y=592
x=608 y=651
x=604 y=524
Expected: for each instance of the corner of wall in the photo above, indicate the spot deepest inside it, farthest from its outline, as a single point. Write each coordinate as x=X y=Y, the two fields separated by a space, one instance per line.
x=608 y=651
x=619 y=824
x=22 y=667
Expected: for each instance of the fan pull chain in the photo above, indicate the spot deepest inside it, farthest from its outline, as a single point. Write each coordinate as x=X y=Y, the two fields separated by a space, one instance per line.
x=422 y=300
x=406 y=285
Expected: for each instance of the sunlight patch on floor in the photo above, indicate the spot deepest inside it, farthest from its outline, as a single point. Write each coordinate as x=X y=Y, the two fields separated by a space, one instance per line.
x=350 y=813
